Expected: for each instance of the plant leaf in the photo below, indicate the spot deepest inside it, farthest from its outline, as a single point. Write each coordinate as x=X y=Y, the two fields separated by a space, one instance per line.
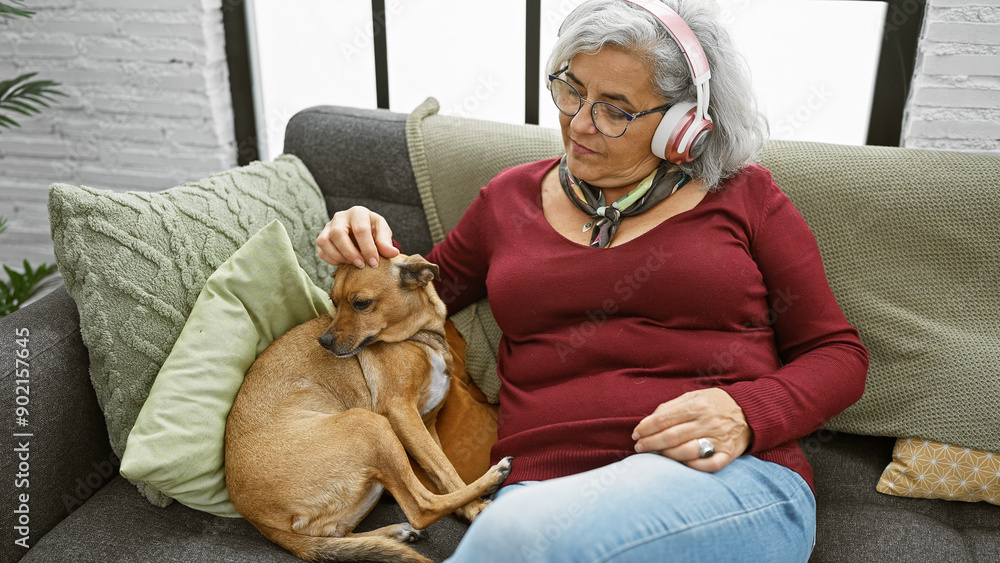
x=23 y=285
x=8 y=11
x=25 y=96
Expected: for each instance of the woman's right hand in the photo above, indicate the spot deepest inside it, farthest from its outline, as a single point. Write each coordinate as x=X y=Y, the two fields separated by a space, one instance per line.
x=356 y=236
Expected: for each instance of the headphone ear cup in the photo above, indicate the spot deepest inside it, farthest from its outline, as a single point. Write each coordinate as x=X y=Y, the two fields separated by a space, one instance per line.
x=671 y=130
x=700 y=140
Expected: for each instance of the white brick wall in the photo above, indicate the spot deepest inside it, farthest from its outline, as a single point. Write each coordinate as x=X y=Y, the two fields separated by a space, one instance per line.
x=955 y=98
x=148 y=108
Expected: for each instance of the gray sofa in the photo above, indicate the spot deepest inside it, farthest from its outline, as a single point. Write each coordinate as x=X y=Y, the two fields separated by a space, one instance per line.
x=82 y=510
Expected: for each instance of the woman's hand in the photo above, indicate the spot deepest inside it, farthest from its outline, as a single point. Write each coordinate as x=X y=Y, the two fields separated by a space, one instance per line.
x=674 y=428
x=356 y=236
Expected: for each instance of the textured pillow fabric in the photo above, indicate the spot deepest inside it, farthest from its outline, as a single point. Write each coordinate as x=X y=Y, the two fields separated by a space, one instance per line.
x=911 y=245
x=452 y=158
x=177 y=442
x=136 y=262
x=928 y=469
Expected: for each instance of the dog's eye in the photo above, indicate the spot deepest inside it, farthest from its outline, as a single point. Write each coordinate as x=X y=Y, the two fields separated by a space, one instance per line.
x=361 y=304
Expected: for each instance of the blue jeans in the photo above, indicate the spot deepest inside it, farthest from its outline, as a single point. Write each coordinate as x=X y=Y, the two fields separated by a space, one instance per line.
x=649 y=508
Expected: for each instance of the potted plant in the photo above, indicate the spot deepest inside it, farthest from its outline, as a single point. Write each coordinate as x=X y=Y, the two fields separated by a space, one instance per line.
x=22 y=286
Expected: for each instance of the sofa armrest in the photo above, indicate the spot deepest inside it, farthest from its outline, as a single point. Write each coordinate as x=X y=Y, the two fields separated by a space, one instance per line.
x=62 y=455
x=360 y=157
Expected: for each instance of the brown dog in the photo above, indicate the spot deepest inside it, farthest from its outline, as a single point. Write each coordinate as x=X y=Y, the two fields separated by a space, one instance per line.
x=327 y=414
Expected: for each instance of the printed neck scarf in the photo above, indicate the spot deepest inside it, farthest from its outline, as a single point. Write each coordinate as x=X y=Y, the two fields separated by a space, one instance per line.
x=658 y=186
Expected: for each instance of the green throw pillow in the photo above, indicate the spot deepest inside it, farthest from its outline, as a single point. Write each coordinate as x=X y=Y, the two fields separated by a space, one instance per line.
x=177 y=442
x=909 y=241
x=135 y=263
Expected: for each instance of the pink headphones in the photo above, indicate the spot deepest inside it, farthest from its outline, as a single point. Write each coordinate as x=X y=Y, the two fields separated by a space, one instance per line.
x=684 y=129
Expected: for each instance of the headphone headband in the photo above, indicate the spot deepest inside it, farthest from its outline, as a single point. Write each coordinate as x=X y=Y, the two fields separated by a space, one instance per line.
x=682 y=133
x=682 y=34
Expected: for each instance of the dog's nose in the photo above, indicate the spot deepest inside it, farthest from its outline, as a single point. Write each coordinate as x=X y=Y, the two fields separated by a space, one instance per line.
x=326 y=340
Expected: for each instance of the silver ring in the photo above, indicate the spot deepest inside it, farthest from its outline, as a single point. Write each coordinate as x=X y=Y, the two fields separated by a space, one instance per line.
x=705 y=448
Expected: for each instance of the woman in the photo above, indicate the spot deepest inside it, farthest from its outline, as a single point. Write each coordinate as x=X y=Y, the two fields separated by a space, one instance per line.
x=657 y=368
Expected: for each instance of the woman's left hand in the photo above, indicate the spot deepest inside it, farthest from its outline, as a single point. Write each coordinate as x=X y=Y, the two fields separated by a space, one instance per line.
x=674 y=428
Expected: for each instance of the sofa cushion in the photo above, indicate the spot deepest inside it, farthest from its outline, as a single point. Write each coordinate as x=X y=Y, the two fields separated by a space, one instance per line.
x=909 y=240
x=928 y=469
x=118 y=526
x=856 y=523
x=370 y=166
x=136 y=262
x=177 y=442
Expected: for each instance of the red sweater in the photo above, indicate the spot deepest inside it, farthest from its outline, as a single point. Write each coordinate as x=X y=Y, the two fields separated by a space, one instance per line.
x=731 y=294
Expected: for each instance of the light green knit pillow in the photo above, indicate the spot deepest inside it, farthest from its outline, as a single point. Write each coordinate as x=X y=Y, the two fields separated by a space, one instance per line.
x=452 y=157
x=136 y=262
x=177 y=442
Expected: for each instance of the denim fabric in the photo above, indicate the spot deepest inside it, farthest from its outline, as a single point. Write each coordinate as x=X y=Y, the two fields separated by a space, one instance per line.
x=649 y=508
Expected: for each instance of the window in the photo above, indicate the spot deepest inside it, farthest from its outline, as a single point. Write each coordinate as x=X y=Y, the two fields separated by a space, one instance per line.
x=306 y=53
x=814 y=62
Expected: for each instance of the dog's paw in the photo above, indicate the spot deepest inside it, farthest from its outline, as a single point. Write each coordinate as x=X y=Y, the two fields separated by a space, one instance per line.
x=504 y=465
x=407 y=534
x=469 y=512
x=502 y=469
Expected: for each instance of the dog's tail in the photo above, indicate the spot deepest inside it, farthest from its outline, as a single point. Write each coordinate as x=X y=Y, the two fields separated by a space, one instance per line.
x=320 y=549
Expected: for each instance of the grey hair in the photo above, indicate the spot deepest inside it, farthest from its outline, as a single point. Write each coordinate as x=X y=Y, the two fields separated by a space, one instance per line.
x=740 y=127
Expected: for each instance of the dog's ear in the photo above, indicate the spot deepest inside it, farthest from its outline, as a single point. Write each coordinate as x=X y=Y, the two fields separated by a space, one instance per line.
x=416 y=272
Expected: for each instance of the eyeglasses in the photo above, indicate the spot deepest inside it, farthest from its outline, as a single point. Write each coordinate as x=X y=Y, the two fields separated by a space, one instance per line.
x=609 y=119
